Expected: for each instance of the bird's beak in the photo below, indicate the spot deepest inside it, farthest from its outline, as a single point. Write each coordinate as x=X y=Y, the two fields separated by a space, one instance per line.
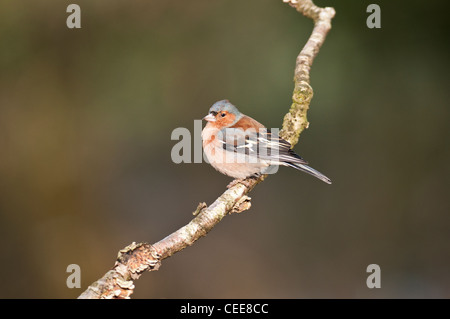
x=210 y=118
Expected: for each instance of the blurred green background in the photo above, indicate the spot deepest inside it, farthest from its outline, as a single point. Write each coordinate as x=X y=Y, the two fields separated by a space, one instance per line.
x=86 y=117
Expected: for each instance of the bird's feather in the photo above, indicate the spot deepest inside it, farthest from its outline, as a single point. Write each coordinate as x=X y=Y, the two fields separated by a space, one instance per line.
x=262 y=144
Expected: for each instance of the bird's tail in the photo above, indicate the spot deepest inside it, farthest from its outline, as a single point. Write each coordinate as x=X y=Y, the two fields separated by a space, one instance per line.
x=310 y=170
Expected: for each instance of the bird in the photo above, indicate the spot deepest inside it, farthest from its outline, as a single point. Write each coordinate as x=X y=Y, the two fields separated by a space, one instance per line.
x=240 y=147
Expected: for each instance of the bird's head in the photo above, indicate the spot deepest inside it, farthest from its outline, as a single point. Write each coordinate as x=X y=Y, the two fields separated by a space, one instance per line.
x=223 y=114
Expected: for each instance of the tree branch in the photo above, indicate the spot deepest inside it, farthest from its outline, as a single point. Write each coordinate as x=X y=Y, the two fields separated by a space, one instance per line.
x=296 y=121
x=135 y=259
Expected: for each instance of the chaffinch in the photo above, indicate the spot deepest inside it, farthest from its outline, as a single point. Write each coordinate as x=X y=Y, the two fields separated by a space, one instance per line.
x=239 y=146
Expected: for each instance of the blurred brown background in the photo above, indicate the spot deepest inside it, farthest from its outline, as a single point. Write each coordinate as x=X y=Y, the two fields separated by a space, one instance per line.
x=85 y=122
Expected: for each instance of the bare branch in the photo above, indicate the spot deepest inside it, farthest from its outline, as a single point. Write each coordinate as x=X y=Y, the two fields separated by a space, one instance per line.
x=135 y=259
x=296 y=121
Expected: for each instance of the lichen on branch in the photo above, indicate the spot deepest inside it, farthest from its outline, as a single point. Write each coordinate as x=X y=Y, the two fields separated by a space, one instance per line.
x=295 y=121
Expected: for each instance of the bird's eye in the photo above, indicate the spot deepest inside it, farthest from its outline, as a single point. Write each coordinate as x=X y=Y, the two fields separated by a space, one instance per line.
x=223 y=114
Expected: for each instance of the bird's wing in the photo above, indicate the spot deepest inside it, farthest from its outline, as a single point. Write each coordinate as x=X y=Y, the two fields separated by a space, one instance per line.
x=262 y=144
